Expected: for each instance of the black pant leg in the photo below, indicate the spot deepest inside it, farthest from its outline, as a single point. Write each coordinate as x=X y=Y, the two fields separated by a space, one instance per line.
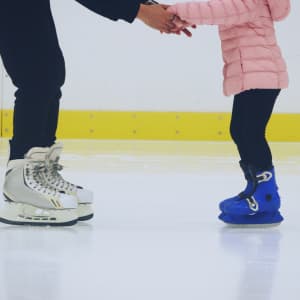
x=251 y=113
x=236 y=125
x=33 y=59
x=52 y=122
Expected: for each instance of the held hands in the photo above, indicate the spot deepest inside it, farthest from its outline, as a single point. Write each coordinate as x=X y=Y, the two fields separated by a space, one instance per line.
x=180 y=25
x=157 y=17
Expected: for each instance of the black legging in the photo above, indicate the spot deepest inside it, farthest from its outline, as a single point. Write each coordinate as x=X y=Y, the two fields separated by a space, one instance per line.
x=250 y=115
x=32 y=57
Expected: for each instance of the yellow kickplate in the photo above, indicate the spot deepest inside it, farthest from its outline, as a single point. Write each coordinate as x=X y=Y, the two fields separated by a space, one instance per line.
x=141 y=125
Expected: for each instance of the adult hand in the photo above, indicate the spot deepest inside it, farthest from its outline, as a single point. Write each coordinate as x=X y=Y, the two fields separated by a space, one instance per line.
x=157 y=17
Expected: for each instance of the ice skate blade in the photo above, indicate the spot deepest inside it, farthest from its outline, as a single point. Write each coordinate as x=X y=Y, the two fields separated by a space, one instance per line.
x=86 y=218
x=266 y=219
x=19 y=223
x=230 y=225
x=24 y=214
x=85 y=212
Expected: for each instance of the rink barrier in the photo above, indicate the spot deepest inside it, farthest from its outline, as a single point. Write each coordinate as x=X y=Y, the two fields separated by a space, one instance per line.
x=142 y=125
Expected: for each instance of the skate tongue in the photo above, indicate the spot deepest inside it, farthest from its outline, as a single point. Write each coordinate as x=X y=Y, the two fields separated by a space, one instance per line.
x=37 y=154
x=55 y=151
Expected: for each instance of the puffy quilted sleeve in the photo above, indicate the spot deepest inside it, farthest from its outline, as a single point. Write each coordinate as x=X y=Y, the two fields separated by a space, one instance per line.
x=280 y=9
x=216 y=12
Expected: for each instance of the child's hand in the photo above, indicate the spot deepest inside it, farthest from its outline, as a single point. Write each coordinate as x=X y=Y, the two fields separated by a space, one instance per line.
x=181 y=25
x=178 y=30
x=186 y=31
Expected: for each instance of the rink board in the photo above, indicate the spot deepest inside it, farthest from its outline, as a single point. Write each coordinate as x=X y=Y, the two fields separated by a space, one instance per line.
x=141 y=125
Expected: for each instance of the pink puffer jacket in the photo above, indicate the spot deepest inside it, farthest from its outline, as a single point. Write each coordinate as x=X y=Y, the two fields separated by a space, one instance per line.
x=250 y=51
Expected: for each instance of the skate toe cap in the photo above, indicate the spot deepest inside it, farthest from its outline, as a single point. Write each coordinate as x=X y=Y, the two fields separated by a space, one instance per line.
x=237 y=207
x=227 y=203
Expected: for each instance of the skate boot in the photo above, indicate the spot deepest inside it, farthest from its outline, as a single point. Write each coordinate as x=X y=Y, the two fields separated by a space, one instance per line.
x=54 y=178
x=29 y=199
x=248 y=188
x=260 y=205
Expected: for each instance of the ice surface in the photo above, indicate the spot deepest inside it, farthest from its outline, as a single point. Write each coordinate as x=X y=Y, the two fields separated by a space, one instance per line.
x=156 y=235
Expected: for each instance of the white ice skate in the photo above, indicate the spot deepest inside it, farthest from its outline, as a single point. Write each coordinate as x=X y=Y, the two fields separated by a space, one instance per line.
x=29 y=199
x=55 y=179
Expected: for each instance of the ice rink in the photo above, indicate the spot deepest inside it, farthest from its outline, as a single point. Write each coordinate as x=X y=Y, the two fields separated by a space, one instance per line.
x=155 y=235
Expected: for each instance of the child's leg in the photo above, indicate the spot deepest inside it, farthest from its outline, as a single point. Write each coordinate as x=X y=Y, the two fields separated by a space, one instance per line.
x=250 y=115
x=260 y=201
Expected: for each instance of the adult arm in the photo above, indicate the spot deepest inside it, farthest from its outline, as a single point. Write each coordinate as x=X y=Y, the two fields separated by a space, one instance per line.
x=126 y=10
x=154 y=16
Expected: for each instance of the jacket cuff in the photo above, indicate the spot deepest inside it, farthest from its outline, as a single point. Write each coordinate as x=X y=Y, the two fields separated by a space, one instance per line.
x=131 y=9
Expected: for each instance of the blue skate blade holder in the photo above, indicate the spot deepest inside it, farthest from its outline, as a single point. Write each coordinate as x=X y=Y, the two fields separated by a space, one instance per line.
x=264 y=218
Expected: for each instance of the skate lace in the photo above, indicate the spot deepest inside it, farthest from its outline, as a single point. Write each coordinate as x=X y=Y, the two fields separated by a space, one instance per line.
x=55 y=178
x=34 y=176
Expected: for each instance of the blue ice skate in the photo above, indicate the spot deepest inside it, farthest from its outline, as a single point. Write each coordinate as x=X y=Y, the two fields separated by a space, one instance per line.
x=248 y=188
x=259 y=205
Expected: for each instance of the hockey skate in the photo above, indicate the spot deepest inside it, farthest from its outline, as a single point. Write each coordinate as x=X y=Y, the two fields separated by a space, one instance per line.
x=29 y=200
x=259 y=204
x=55 y=179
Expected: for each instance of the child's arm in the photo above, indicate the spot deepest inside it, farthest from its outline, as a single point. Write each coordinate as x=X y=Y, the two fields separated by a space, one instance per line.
x=216 y=12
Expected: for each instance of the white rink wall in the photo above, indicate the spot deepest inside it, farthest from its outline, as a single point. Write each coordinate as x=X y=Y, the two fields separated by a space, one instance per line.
x=120 y=66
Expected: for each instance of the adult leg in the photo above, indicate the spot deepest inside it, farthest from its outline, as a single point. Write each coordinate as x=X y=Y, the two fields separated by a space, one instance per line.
x=32 y=57
x=52 y=122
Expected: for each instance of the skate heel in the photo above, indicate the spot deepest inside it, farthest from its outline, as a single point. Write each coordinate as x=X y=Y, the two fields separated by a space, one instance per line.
x=85 y=212
x=256 y=220
x=25 y=214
